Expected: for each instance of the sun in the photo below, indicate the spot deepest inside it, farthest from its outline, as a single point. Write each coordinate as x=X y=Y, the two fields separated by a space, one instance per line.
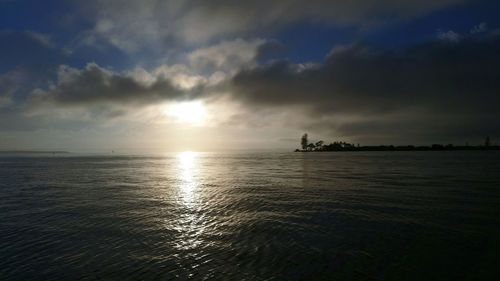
x=193 y=112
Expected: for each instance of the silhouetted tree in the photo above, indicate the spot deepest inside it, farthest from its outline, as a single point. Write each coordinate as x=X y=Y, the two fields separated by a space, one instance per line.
x=336 y=145
x=319 y=145
x=304 y=141
x=311 y=146
x=487 y=141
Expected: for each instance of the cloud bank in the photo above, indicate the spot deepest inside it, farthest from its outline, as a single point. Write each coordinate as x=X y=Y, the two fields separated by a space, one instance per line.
x=435 y=87
x=94 y=84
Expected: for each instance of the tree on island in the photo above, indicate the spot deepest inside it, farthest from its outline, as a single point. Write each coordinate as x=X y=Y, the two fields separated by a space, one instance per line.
x=319 y=144
x=311 y=146
x=306 y=146
x=304 y=142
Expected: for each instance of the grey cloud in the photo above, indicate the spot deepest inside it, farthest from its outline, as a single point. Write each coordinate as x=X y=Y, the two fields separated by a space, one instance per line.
x=227 y=55
x=95 y=85
x=482 y=27
x=205 y=69
x=42 y=38
x=452 y=83
x=449 y=35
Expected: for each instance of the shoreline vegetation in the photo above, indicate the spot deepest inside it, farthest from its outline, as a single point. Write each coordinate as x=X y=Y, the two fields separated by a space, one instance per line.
x=320 y=146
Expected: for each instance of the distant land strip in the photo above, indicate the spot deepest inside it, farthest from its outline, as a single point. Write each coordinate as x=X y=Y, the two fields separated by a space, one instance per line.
x=345 y=146
x=32 y=152
x=434 y=147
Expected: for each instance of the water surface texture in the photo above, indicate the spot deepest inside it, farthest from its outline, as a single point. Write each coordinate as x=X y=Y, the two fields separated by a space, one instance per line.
x=251 y=216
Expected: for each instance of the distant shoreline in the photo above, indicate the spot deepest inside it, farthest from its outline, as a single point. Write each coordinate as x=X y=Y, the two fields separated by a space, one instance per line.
x=406 y=148
x=32 y=152
x=320 y=146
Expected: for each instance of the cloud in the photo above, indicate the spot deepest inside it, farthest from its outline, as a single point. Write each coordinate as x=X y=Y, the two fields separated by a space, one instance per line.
x=428 y=88
x=9 y=84
x=205 y=68
x=357 y=91
x=227 y=55
x=449 y=35
x=42 y=38
x=480 y=28
x=135 y=25
x=95 y=85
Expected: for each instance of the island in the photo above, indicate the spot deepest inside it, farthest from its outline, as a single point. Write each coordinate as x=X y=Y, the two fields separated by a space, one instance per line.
x=344 y=146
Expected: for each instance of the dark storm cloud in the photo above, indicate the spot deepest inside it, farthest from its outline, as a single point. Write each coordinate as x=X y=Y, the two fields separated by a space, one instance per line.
x=433 y=124
x=95 y=85
x=450 y=81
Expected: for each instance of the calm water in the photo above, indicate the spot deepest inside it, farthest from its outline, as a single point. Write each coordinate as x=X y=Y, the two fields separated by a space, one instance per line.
x=290 y=216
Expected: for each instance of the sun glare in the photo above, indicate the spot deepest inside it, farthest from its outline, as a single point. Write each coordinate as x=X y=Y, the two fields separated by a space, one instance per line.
x=193 y=113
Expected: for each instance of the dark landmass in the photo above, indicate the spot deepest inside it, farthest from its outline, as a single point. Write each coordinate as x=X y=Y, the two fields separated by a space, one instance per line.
x=344 y=146
x=402 y=148
x=32 y=152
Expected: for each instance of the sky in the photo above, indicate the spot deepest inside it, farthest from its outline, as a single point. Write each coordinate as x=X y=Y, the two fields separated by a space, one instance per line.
x=173 y=75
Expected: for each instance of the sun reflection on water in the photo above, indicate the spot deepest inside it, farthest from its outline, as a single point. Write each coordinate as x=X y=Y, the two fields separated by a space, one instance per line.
x=189 y=225
x=187 y=176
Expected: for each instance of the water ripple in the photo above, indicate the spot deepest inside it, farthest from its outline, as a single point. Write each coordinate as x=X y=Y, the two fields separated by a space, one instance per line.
x=290 y=216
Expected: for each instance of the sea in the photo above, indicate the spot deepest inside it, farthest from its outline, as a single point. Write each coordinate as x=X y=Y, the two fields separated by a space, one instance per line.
x=429 y=215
